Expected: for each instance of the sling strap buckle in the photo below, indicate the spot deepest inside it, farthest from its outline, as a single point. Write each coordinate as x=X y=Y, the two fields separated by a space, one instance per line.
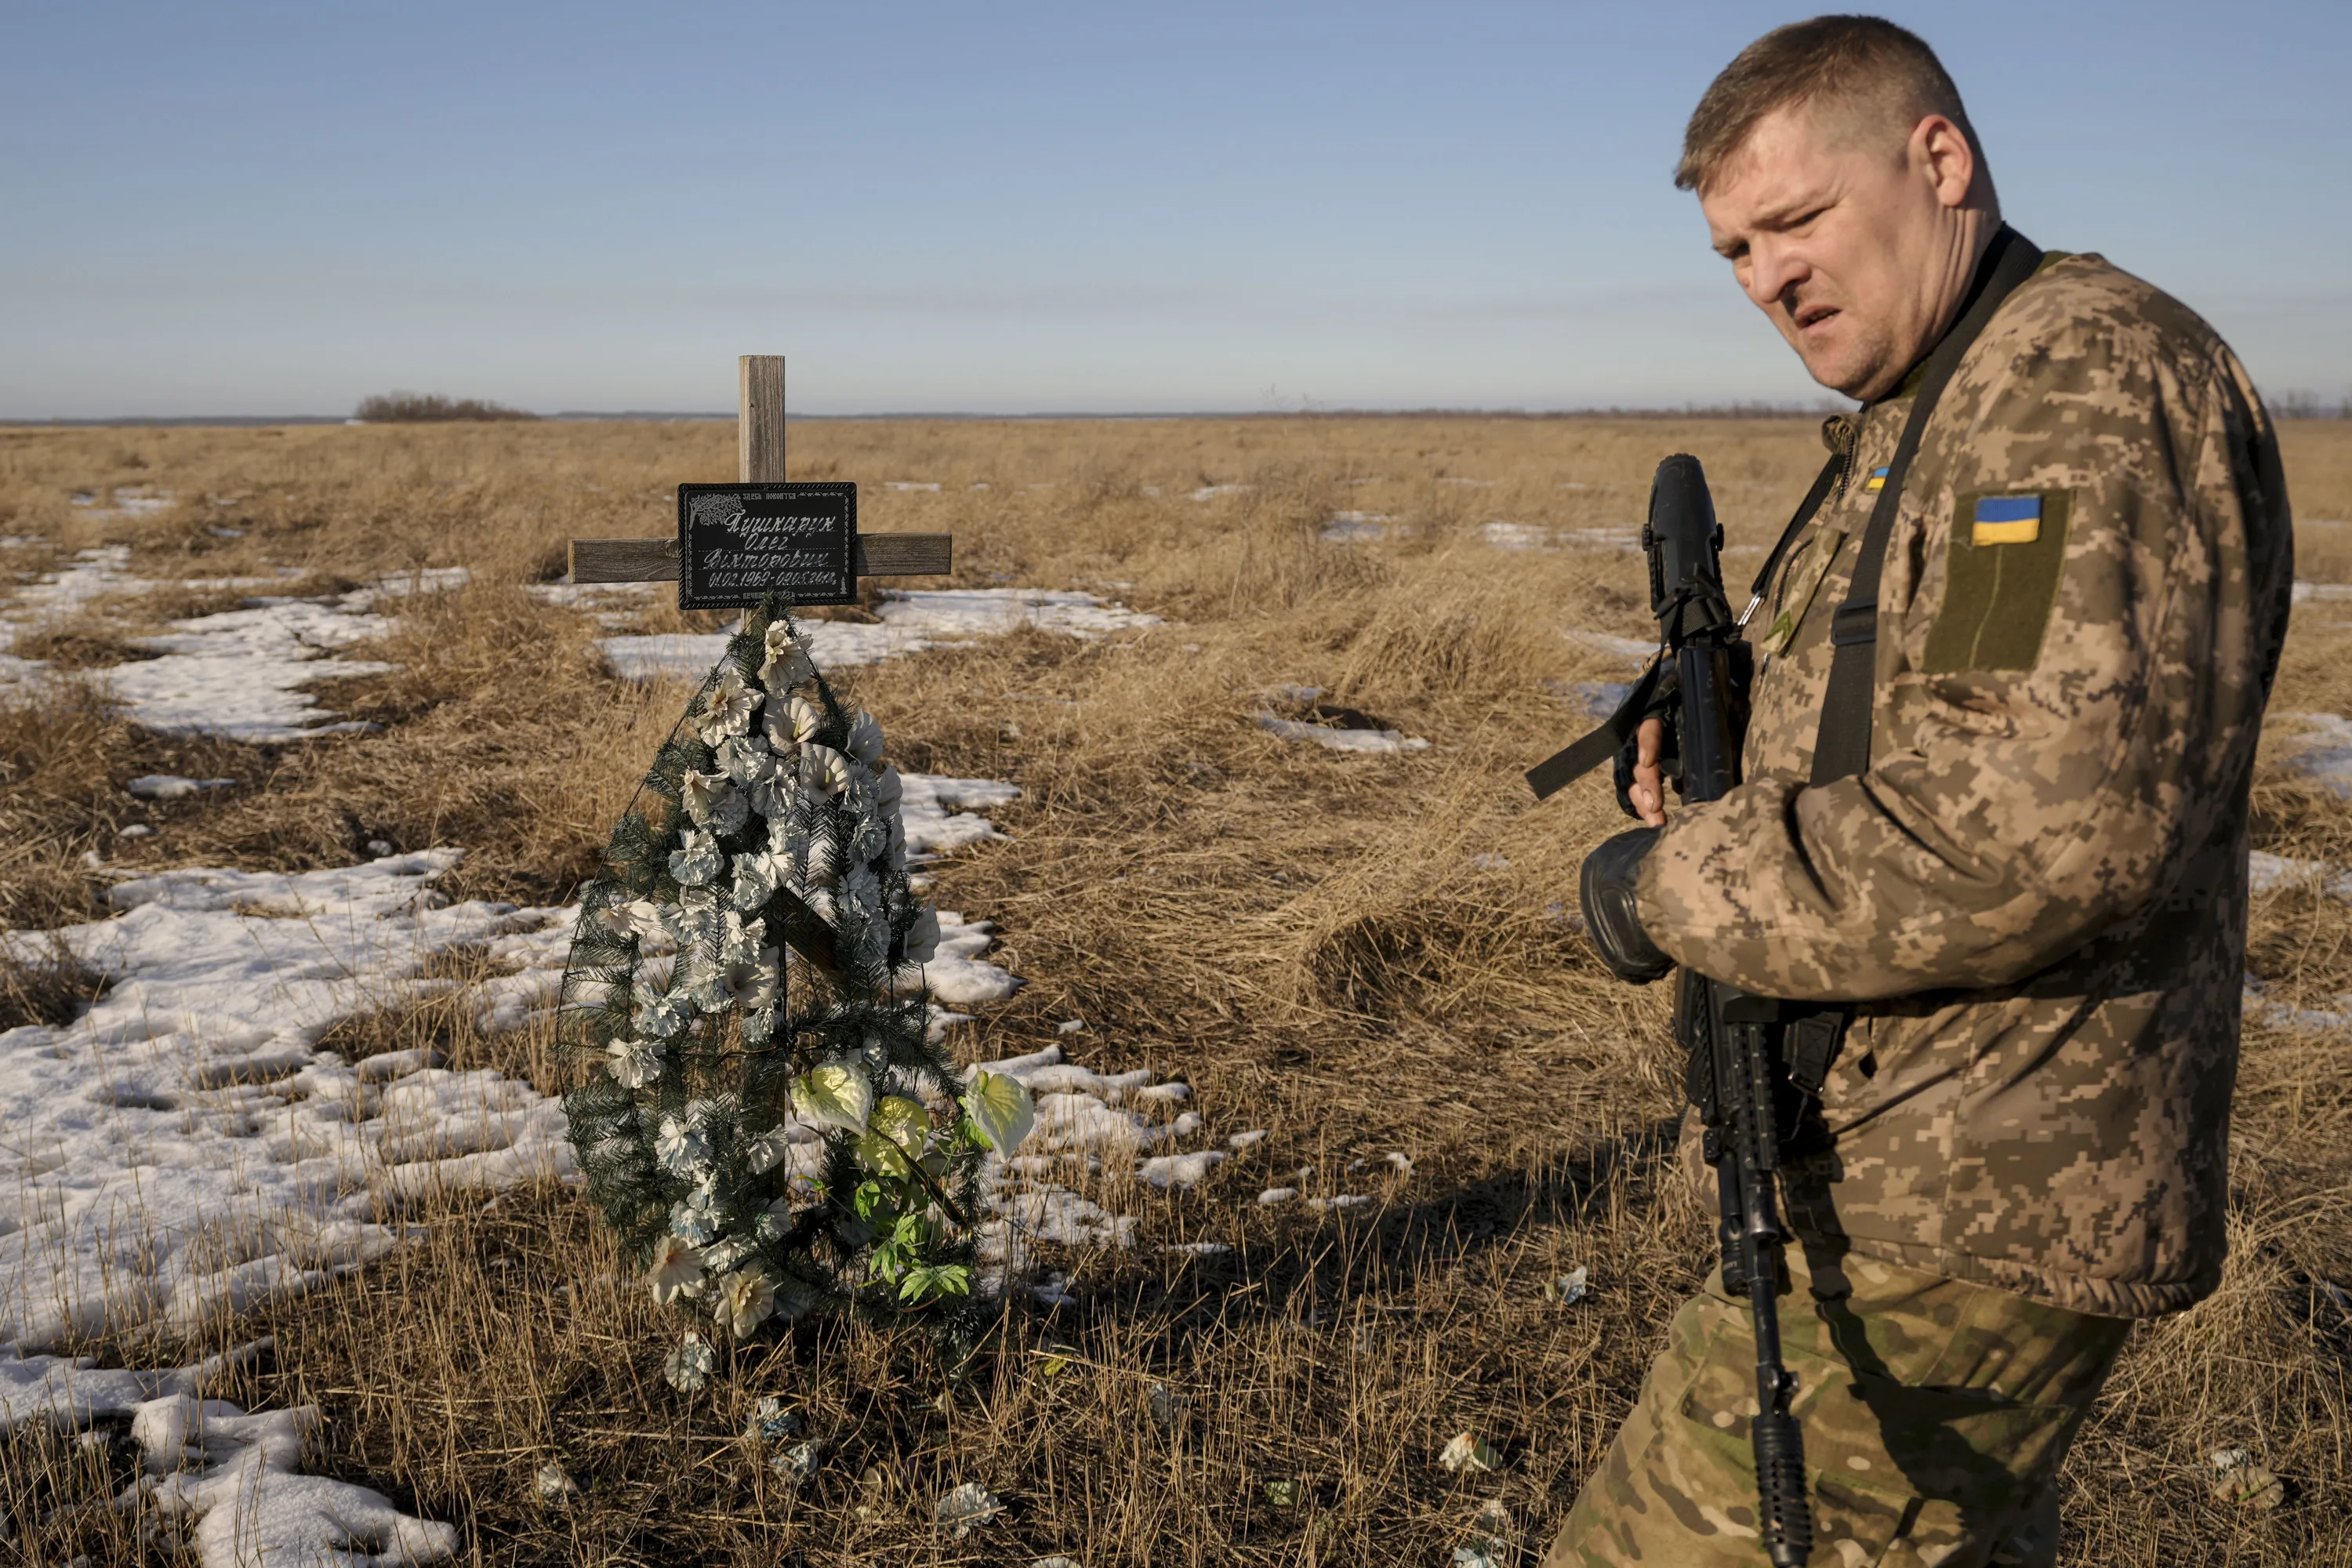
x=1855 y=624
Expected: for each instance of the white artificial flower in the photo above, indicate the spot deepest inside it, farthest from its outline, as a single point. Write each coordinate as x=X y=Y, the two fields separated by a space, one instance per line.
x=688 y=1367
x=727 y=706
x=792 y=722
x=824 y=770
x=746 y=1297
x=757 y=877
x=696 y=860
x=692 y=1223
x=740 y=940
x=871 y=840
x=636 y=1063
x=888 y=788
x=863 y=740
x=862 y=891
x=765 y=1152
x=718 y=1259
x=1000 y=1106
x=712 y=801
x=663 y=1016
x=773 y=796
x=745 y=758
x=681 y=1147
x=678 y=1267
x=834 y=1094
x=786 y=665
x=757 y=990
x=923 y=937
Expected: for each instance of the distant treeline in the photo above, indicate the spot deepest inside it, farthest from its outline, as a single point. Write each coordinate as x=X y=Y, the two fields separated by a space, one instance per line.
x=419 y=407
x=2310 y=406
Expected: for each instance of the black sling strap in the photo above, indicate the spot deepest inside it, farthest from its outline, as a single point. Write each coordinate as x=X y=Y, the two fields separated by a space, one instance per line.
x=1843 y=745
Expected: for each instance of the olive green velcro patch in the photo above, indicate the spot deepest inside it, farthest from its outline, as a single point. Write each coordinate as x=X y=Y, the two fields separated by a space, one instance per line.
x=1998 y=593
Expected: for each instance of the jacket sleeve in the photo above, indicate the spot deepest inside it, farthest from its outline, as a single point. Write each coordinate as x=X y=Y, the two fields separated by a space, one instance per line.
x=2026 y=796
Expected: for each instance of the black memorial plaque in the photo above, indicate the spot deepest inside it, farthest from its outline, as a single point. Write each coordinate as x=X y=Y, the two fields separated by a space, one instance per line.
x=739 y=543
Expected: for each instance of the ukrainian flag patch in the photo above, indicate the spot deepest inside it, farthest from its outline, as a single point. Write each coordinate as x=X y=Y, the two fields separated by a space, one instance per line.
x=2006 y=520
x=1878 y=481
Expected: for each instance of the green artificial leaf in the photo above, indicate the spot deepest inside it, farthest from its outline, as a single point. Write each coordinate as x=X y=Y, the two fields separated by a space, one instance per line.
x=903 y=1121
x=1001 y=1109
x=880 y=1156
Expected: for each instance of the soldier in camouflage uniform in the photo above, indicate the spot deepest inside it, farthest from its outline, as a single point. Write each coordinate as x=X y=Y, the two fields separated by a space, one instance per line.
x=2035 y=895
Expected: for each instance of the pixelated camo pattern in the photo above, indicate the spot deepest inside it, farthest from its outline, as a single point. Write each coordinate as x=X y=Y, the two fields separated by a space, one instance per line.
x=2039 y=888
x=1937 y=1415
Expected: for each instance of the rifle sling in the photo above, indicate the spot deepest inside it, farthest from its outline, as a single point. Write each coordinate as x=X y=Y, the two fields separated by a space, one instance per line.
x=1843 y=747
x=1564 y=767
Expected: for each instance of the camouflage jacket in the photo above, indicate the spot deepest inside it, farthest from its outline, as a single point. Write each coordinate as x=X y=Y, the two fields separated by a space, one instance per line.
x=2037 y=892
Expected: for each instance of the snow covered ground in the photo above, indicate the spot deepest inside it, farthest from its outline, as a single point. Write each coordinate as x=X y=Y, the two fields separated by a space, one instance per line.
x=910 y=621
x=187 y=1146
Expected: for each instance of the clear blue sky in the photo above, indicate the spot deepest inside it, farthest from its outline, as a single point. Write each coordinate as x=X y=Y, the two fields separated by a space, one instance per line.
x=261 y=208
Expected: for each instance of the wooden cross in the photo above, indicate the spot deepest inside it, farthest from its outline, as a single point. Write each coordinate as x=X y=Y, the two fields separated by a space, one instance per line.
x=759 y=448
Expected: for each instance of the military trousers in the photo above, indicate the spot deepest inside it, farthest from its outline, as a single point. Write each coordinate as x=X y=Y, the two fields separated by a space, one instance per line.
x=1936 y=1416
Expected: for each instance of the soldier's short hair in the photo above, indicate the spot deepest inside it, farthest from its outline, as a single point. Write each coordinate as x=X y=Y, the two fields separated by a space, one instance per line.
x=1877 y=78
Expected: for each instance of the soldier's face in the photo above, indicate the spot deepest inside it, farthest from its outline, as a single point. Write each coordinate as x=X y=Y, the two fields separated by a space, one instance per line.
x=1850 y=250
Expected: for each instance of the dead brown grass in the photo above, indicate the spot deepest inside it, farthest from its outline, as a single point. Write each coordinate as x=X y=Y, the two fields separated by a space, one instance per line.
x=1360 y=954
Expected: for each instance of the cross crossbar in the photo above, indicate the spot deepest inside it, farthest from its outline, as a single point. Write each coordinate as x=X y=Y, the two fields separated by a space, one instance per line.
x=759 y=443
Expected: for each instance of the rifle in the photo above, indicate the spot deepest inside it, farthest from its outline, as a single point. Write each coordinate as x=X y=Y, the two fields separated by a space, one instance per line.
x=1736 y=1042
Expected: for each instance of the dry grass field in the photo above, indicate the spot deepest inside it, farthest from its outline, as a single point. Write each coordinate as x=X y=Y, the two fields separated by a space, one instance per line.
x=1360 y=954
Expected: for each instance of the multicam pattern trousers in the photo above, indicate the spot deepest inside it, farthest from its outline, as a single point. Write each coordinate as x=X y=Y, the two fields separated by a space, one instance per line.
x=1935 y=1413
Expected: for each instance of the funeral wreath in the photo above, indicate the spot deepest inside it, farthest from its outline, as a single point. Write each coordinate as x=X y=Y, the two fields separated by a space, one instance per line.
x=762 y=1117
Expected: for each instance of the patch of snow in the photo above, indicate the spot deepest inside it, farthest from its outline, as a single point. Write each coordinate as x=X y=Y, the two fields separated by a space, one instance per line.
x=186 y=1147
x=71 y=1392
x=1633 y=649
x=1600 y=697
x=1625 y=541
x=1273 y=1196
x=1343 y=1203
x=1212 y=492
x=911 y=621
x=956 y=974
x=910 y=485
x=2262 y=1007
x=1249 y=1140
x=2321 y=748
x=1355 y=527
x=93 y=575
x=171 y=786
x=2265 y=871
x=2322 y=593
x=1515 y=535
x=1366 y=741
x=241 y=673
x=130 y=500
x=607 y=604
x=236 y=1476
x=1078 y=1130
x=406 y=585
x=1473 y=484
x=940 y=812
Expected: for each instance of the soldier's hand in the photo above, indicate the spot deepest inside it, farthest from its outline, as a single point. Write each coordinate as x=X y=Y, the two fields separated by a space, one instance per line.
x=1648 y=792
x=1606 y=892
